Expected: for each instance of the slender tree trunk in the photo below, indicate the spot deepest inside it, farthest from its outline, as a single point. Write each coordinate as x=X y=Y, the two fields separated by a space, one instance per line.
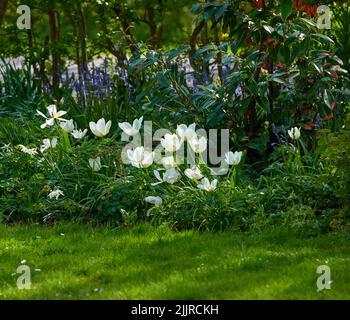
x=54 y=34
x=44 y=55
x=155 y=32
x=270 y=70
x=32 y=61
x=76 y=41
x=82 y=25
x=3 y=6
x=193 y=42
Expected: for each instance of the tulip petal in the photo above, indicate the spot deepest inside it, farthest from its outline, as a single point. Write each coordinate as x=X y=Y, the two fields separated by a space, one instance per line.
x=41 y=114
x=108 y=127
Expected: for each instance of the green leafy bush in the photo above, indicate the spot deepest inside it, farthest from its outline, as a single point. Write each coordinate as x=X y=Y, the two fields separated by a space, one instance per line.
x=334 y=148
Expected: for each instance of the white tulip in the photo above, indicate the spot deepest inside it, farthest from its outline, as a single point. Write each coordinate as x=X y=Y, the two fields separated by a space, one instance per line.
x=171 y=142
x=131 y=130
x=53 y=115
x=186 y=133
x=95 y=164
x=198 y=145
x=207 y=185
x=157 y=201
x=168 y=162
x=79 y=134
x=233 y=159
x=55 y=194
x=67 y=126
x=194 y=173
x=47 y=143
x=140 y=158
x=158 y=157
x=170 y=176
x=295 y=133
x=159 y=178
x=26 y=150
x=101 y=128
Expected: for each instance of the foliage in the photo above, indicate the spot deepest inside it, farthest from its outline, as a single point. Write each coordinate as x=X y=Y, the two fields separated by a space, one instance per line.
x=341 y=31
x=257 y=68
x=20 y=91
x=335 y=152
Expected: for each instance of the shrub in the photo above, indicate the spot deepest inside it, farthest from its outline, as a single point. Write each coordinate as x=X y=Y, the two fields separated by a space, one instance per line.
x=334 y=148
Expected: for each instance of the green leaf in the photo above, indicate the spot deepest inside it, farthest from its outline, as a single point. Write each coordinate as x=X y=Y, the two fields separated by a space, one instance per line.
x=253 y=56
x=221 y=11
x=204 y=49
x=324 y=37
x=278 y=80
x=175 y=53
x=235 y=45
x=208 y=14
x=253 y=88
x=162 y=79
x=309 y=22
x=260 y=143
x=327 y=99
x=318 y=68
x=196 y=8
x=269 y=29
x=210 y=56
x=286 y=8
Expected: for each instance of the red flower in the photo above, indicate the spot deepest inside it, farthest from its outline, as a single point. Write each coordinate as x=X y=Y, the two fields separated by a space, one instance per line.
x=259 y=4
x=310 y=9
x=296 y=4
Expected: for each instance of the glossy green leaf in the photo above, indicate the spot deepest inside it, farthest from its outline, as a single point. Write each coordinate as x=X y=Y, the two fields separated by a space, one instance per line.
x=286 y=8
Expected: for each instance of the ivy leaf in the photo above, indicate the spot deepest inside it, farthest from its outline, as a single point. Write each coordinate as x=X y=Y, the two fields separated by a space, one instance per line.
x=286 y=8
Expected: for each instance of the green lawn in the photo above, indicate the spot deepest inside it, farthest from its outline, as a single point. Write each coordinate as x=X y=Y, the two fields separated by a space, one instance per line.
x=80 y=262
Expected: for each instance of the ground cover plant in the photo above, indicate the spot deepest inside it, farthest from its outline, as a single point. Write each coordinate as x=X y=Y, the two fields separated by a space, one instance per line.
x=229 y=126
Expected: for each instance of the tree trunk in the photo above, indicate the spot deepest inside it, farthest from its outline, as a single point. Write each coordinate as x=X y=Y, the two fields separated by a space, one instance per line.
x=43 y=56
x=193 y=41
x=32 y=60
x=3 y=6
x=82 y=25
x=155 y=33
x=54 y=35
x=76 y=40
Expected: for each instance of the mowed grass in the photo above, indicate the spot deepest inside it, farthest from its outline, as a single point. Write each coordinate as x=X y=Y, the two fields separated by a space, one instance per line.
x=80 y=262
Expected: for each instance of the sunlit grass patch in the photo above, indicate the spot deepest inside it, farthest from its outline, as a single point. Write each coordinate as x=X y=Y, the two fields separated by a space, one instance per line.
x=79 y=262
